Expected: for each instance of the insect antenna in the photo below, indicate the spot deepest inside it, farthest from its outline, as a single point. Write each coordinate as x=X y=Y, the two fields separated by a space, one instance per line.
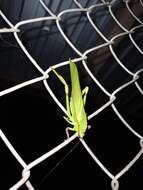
x=58 y=163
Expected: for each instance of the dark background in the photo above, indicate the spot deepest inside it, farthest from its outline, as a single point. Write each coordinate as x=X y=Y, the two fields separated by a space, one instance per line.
x=33 y=122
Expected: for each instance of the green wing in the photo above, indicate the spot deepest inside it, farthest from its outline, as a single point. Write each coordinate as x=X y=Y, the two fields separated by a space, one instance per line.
x=76 y=89
x=77 y=104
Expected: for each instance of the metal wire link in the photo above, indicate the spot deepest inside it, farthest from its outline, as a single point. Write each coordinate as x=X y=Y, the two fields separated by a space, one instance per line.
x=82 y=56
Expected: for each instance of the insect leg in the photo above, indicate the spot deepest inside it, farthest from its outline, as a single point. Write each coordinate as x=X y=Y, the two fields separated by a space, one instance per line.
x=68 y=120
x=67 y=131
x=66 y=91
x=84 y=94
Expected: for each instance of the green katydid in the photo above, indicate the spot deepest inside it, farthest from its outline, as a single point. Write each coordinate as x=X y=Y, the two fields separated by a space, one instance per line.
x=76 y=115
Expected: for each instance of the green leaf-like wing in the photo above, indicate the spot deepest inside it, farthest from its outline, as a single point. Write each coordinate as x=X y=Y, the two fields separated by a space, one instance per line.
x=77 y=104
x=76 y=89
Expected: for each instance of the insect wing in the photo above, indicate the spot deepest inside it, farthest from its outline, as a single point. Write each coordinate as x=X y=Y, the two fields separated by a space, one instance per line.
x=76 y=95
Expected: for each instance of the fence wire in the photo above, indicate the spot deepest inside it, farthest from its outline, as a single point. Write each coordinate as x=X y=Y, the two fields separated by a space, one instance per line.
x=82 y=56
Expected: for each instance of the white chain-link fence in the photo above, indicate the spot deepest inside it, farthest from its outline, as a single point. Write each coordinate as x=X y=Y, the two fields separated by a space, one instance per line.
x=82 y=56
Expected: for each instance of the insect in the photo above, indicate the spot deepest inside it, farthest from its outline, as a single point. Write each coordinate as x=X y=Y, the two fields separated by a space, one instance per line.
x=76 y=115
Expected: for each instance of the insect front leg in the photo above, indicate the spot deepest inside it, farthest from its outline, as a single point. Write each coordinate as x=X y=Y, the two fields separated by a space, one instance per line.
x=66 y=91
x=67 y=100
x=84 y=94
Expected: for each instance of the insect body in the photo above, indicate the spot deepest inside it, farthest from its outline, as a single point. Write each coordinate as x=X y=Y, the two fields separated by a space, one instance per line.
x=76 y=115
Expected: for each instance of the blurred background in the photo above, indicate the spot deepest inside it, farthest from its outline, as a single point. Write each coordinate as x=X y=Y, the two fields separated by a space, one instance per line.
x=33 y=122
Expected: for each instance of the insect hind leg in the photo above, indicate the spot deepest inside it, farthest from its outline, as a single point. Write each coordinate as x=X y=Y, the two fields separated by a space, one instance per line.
x=67 y=131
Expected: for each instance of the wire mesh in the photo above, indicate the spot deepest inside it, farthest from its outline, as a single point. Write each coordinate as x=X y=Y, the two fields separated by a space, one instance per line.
x=81 y=56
